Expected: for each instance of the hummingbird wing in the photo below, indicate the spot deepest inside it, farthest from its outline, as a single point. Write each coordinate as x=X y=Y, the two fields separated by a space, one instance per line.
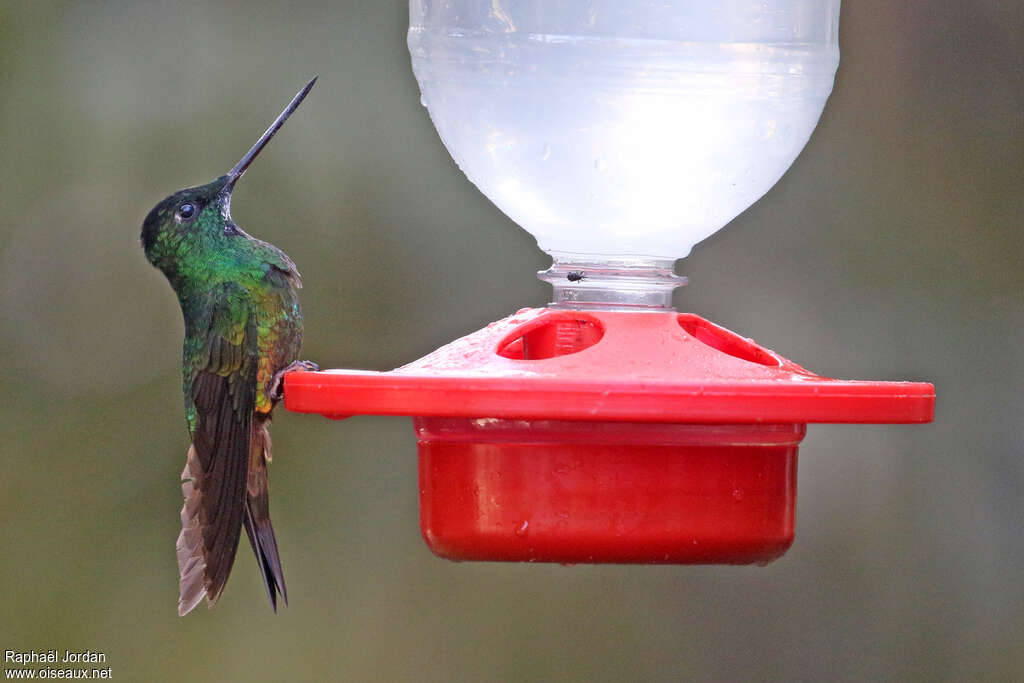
x=220 y=378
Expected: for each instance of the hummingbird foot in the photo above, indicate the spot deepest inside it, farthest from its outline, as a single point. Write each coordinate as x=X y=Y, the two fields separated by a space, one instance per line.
x=277 y=381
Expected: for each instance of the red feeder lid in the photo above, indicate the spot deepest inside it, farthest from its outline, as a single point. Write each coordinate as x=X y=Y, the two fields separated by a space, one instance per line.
x=596 y=366
x=594 y=436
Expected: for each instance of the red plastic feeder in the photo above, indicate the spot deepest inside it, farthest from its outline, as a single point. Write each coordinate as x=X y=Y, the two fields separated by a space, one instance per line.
x=607 y=436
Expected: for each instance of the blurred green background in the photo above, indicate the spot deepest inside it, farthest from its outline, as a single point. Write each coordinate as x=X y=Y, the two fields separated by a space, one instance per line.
x=891 y=250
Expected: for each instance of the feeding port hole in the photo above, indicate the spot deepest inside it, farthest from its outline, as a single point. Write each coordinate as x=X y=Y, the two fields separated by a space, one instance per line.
x=551 y=336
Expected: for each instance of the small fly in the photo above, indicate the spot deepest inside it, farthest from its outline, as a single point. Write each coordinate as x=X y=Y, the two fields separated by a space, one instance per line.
x=576 y=275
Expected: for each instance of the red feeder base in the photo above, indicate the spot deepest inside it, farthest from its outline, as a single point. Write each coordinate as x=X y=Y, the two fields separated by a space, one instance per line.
x=607 y=492
x=572 y=436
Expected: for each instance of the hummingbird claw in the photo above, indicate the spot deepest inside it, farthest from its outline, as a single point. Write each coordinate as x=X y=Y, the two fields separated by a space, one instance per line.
x=277 y=382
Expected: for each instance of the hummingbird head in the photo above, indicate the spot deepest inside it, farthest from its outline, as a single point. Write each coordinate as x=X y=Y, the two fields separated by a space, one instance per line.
x=188 y=215
x=197 y=220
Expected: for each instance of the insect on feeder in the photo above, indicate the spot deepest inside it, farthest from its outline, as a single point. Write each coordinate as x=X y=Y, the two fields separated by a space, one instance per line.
x=607 y=427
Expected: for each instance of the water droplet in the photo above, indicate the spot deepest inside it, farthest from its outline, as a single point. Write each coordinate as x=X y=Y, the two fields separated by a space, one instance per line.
x=522 y=528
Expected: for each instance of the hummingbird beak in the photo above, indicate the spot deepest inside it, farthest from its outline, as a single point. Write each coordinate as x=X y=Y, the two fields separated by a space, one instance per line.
x=236 y=173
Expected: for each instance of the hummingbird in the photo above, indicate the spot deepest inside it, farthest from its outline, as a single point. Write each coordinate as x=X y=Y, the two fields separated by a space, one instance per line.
x=243 y=331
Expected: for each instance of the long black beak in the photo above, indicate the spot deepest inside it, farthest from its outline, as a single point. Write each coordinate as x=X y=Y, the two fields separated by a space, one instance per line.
x=236 y=173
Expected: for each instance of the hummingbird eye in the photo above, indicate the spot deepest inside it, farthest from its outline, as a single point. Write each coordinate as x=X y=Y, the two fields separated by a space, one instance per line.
x=186 y=210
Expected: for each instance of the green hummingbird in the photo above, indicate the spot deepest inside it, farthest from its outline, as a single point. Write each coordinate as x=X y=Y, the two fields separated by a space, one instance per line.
x=243 y=331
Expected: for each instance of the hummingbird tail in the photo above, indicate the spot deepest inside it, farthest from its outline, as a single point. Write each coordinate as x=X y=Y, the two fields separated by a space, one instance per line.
x=214 y=487
x=257 y=517
x=191 y=562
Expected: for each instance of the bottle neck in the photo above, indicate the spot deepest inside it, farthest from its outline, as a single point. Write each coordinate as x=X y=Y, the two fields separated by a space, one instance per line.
x=590 y=282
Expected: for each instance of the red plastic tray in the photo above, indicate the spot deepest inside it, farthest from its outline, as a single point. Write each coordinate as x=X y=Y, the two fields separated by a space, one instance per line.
x=571 y=365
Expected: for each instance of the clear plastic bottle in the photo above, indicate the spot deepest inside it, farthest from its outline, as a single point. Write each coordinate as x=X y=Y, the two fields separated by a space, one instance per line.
x=623 y=131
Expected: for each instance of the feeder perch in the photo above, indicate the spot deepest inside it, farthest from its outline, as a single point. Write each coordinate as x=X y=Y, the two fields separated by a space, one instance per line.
x=607 y=427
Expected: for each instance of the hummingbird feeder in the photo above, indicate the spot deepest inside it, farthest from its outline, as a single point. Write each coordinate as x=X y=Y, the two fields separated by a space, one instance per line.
x=607 y=427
